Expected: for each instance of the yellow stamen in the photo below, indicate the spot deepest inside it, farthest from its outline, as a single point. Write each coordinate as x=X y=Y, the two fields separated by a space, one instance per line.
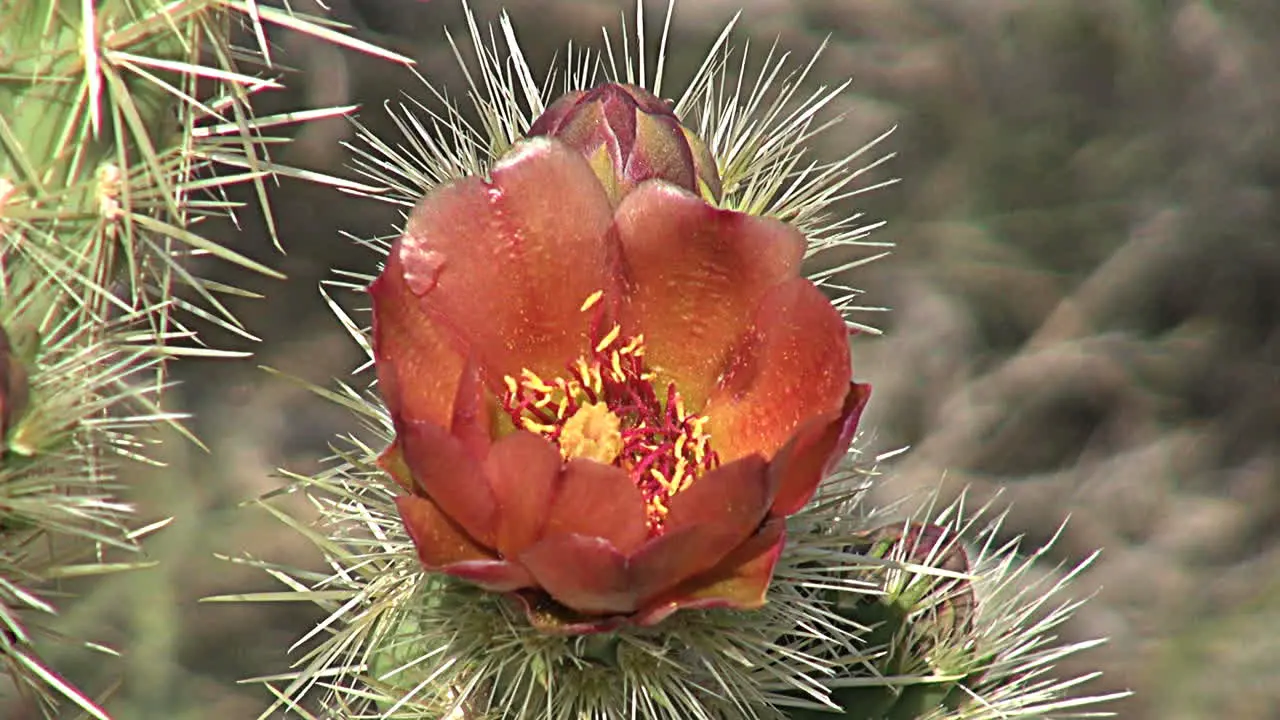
x=533 y=382
x=616 y=363
x=608 y=339
x=633 y=347
x=591 y=300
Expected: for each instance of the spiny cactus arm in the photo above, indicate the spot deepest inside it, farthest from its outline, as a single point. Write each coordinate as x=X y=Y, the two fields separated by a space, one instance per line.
x=118 y=122
x=73 y=398
x=113 y=115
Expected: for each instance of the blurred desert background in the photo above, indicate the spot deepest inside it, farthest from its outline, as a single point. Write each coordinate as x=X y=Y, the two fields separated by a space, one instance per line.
x=1085 y=300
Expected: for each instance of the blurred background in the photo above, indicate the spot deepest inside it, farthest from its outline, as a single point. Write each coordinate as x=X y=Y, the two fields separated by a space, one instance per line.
x=1085 y=303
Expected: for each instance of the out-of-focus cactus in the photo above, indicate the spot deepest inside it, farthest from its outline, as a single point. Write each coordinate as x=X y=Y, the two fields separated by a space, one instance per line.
x=121 y=123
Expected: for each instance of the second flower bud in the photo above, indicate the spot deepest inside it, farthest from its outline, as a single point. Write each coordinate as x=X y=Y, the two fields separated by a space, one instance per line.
x=629 y=136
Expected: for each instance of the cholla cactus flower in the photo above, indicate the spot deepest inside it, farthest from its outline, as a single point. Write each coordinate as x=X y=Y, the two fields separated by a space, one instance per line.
x=611 y=474
x=608 y=411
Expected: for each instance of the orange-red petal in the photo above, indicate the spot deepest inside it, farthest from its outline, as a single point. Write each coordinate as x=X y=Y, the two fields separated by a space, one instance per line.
x=439 y=540
x=813 y=451
x=513 y=258
x=677 y=555
x=522 y=470
x=582 y=573
x=793 y=365
x=549 y=616
x=740 y=581
x=417 y=360
x=734 y=497
x=473 y=407
x=450 y=476
x=392 y=462
x=704 y=527
x=695 y=274
x=598 y=500
x=495 y=575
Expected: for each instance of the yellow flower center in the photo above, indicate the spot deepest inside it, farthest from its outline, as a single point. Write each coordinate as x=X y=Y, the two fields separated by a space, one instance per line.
x=593 y=432
x=607 y=409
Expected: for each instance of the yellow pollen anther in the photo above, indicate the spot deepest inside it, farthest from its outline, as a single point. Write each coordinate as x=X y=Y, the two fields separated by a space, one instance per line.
x=608 y=339
x=591 y=300
x=533 y=382
x=616 y=363
x=593 y=432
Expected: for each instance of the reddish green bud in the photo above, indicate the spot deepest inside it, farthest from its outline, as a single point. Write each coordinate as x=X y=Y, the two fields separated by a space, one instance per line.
x=919 y=625
x=949 y=600
x=13 y=386
x=630 y=135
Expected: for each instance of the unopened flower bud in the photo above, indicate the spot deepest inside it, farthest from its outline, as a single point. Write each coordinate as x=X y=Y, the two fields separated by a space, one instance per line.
x=948 y=601
x=630 y=135
x=919 y=624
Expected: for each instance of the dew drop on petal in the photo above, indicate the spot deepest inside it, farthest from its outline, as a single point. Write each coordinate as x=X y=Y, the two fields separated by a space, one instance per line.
x=422 y=270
